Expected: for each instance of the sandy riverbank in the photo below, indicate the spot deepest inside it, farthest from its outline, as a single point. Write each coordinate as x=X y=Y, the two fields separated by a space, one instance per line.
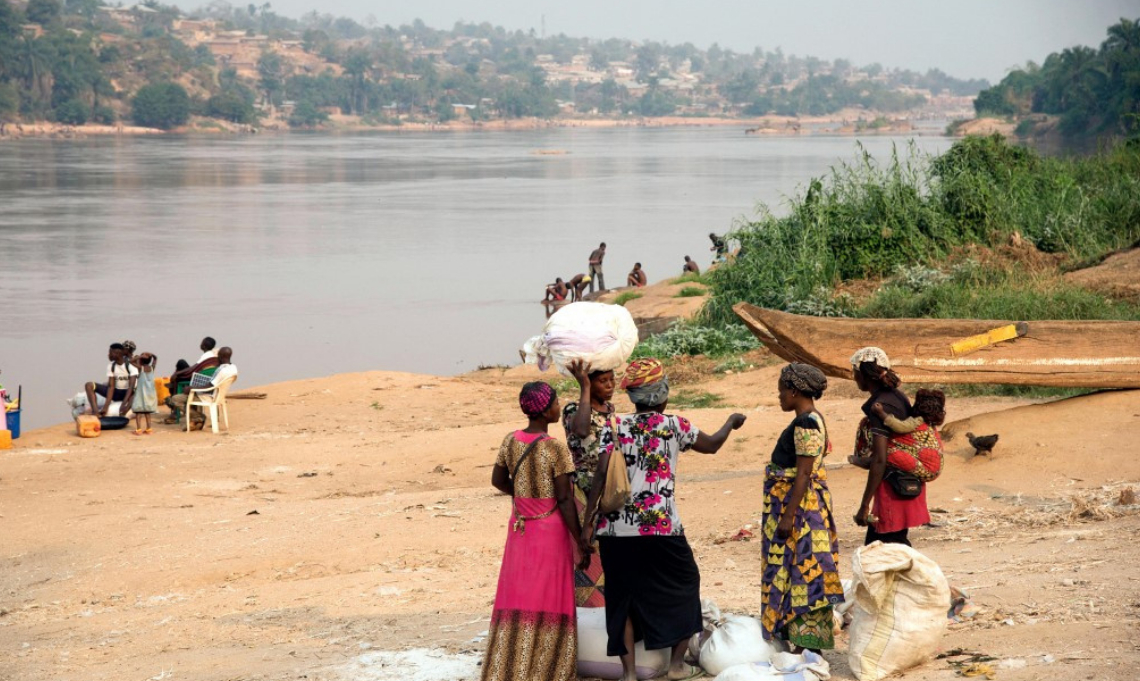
x=350 y=515
x=842 y=123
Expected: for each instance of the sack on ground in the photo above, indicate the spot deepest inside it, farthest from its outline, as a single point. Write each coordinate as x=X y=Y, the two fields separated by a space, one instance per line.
x=592 y=659
x=734 y=640
x=78 y=405
x=601 y=335
x=899 y=615
x=808 y=666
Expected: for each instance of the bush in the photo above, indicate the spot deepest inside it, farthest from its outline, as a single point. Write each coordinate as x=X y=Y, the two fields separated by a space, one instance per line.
x=692 y=292
x=904 y=217
x=72 y=112
x=161 y=105
x=104 y=114
x=691 y=339
x=306 y=115
x=234 y=104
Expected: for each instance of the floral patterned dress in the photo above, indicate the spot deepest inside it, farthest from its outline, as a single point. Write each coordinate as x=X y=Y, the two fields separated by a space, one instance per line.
x=589 y=584
x=651 y=443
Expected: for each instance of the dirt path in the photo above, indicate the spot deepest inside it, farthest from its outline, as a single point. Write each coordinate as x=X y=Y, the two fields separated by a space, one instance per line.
x=345 y=517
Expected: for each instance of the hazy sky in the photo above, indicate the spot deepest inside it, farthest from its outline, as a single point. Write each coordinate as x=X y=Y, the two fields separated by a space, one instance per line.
x=965 y=38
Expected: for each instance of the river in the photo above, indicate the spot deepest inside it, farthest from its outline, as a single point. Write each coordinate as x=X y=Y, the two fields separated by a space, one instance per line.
x=314 y=254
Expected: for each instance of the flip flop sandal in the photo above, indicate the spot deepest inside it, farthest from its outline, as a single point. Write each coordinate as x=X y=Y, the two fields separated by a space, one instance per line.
x=694 y=673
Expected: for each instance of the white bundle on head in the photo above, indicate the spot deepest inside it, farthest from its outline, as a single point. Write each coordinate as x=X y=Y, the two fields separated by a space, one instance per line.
x=599 y=334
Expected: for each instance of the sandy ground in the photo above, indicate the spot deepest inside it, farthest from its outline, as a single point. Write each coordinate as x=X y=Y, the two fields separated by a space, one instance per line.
x=1117 y=276
x=347 y=516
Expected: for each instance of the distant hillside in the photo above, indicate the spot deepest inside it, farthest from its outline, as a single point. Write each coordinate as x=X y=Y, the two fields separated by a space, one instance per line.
x=1082 y=91
x=75 y=61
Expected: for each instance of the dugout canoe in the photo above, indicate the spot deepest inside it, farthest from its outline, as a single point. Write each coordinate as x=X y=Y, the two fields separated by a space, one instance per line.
x=1065 y=354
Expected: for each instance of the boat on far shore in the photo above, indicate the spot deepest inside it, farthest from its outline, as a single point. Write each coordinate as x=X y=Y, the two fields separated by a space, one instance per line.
x=1063 y=354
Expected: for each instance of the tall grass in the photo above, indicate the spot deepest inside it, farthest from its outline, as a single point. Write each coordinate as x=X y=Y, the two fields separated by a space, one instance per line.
x=869 y=219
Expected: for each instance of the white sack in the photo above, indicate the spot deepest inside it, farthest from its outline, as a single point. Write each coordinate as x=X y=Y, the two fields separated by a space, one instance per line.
x=783 y=667
x=738 y=640
x=78 y=405
x=900 y=610
x=592 y=658
x=599 y=334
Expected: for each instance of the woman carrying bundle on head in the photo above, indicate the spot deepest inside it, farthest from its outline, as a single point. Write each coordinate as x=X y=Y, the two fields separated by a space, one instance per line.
x=653 y=586
x=533 y=633
x=899 y=497
x=800 y=548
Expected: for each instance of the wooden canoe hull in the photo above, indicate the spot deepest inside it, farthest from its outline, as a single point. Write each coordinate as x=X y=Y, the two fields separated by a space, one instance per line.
x=1068 y=354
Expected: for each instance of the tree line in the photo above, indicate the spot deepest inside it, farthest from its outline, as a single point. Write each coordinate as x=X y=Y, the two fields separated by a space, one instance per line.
x=78 y=64
x=1092 y=91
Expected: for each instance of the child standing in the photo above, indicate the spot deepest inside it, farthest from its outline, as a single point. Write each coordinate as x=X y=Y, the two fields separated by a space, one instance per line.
x=145 y=402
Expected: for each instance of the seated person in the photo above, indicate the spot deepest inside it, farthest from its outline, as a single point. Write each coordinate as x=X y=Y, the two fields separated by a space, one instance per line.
x=578 y=285
x=690 y=266
x=636 y=276
x=183 y=370
x=120 y=385
x=557 y=291
x=226 y=369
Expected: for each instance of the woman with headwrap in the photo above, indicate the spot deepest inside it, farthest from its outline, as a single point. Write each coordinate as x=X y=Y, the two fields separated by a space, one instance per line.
x=533 y=632
x=653 y=586
x=893 y=514
x=799 y=547
x=588 y=433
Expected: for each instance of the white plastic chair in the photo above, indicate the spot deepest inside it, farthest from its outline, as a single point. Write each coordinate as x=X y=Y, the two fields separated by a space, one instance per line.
x=212 y=399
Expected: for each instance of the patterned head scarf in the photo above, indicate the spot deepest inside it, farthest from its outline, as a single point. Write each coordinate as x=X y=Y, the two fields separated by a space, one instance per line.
x=871 y=354
x=643 y=372
x=536 y=397
x=130 y=347
x=646 y=383
x=804 y=378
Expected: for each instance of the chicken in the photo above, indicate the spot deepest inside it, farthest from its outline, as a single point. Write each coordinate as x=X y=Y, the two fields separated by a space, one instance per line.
x=982 y=444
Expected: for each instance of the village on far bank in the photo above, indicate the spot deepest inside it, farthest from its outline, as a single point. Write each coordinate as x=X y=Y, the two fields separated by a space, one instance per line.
x=229 y=68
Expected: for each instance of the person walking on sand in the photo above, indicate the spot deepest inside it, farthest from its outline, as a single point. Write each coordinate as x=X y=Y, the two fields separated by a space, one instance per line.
x=145 y=401
x=653 y=585
x=636 y=276
x=799 y=550
x=120 y=385
x=894 y=514
x=690 y=267
x=533 y=632
x=595 y=271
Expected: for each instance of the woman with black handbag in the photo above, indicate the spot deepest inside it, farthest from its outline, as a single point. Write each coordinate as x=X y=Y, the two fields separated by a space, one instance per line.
x=899 y=498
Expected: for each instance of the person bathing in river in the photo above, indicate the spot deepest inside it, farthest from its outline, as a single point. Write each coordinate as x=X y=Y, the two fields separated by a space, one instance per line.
x=533 y=632
x=636 y=276
x=799 y=549
x=577 y=285
x=653 y=585
x=690 y=267
x=557 y=291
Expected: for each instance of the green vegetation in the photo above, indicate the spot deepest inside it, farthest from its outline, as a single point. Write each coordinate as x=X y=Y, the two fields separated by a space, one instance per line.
x=161 y=105
x=626 y=296
x=692 y=339
x=906 y=221
x=690 y=278
x=692 y=292
x=1093 y=91
x=688 y=399
x=82 y=60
